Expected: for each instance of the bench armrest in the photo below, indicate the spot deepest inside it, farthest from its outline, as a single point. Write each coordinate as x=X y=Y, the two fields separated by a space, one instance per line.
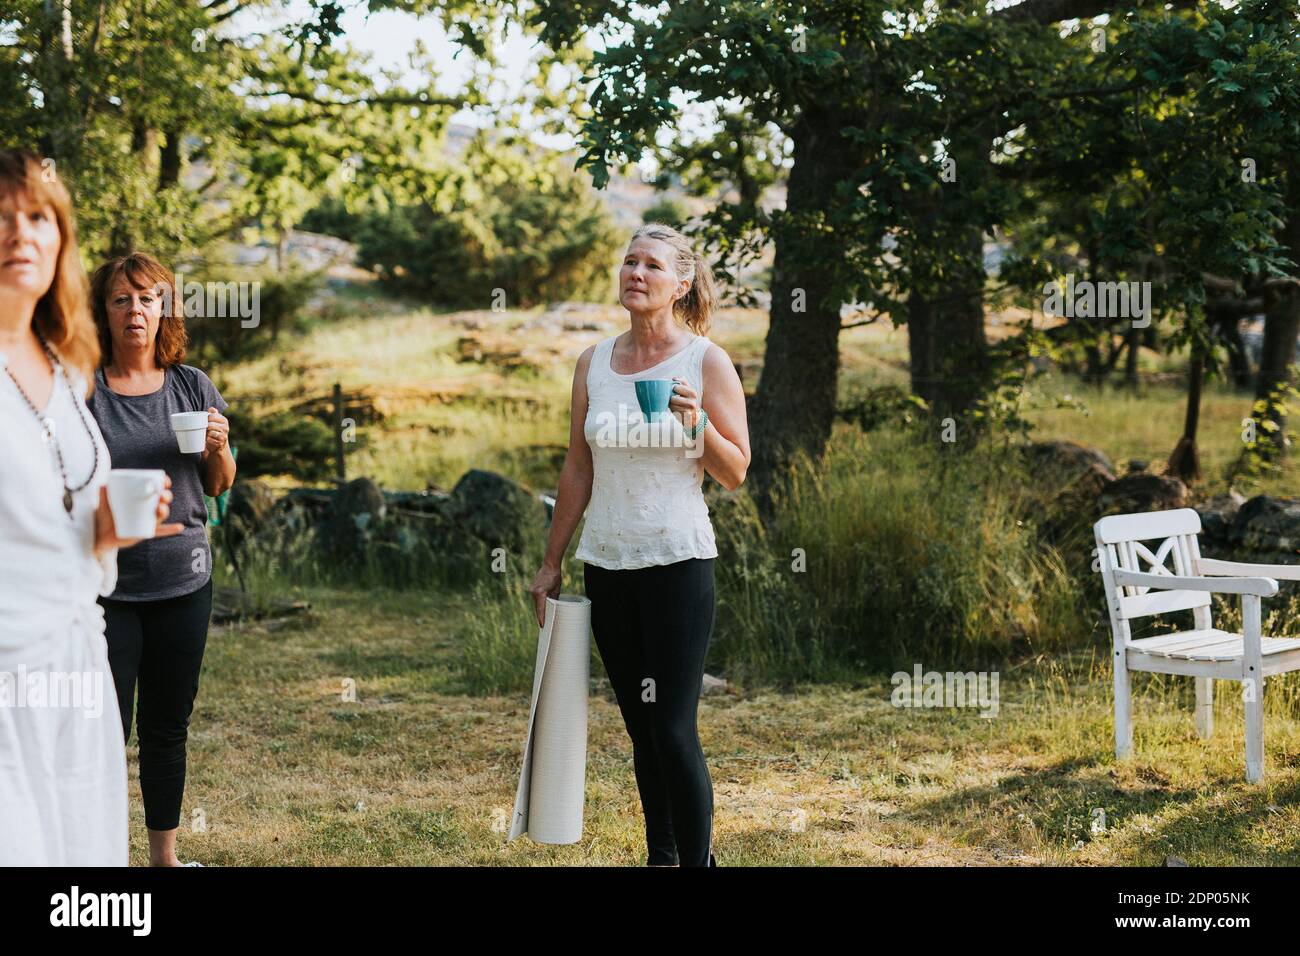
x=1264 y=587
x=1282 y=572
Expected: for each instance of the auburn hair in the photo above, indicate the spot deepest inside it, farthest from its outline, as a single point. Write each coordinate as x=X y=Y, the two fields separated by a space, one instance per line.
x=144 y=272
x=62 y=315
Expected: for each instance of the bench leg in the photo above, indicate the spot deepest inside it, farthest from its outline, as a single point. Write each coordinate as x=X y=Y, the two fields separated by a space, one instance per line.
x=1205 y=707
x=1255 y=733
x=1123 y=709
x=1252 y=687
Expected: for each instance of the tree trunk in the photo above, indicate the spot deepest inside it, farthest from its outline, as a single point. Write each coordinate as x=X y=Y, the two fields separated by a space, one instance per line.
x=169 y=161
x=794 y=403
x=1227 y=328
x=63 y=127
x=945 y=311
x=1281 y=329
x=281 y=249
x=1184 y=461
x=945 y=333
x=1134 y=337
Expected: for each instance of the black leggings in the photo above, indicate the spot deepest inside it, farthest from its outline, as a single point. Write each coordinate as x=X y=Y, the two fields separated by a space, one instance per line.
x=159 y=644
x=655 y=623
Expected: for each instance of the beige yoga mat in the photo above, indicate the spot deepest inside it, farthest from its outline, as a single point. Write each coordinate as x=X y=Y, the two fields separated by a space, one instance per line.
x=552 y=784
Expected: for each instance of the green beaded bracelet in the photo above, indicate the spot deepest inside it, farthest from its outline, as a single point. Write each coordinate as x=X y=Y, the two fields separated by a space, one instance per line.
x=695 y=432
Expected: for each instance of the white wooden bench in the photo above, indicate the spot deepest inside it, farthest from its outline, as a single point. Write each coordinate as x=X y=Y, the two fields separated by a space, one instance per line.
x=1205 y=652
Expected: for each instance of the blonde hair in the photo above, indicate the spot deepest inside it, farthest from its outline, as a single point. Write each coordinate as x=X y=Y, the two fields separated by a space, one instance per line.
x=696 y=307
x=62 y=315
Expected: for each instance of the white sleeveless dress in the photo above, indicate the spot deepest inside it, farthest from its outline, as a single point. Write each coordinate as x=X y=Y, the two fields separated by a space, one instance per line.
x=62 y=768
x=647 y=506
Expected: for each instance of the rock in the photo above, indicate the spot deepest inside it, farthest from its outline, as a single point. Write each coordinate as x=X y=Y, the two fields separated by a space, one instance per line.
x=712 y=685
x=347 y=528
x=492 y=350
x=1062 y=463
x=495 y=509
x=250 y=504
x=1142 y=492
x=1065 y=516
x=1136 y=465
x=1174 y=861
x=1218 y=515
x=359 y=497
x=1270 y=526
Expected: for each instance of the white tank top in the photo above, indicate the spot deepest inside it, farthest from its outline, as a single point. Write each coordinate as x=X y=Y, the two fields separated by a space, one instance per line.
x=647 y=506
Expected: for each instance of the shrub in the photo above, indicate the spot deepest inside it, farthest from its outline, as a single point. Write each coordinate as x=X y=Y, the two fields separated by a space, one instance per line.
x=518 y=222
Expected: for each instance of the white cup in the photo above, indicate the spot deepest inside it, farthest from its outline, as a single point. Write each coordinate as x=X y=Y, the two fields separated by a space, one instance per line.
x=191 y=430
x=133 y=495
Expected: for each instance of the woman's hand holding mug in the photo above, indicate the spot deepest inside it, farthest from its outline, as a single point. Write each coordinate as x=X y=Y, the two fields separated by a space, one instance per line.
x=685 y=402
x=106 y=532
x=218 y=433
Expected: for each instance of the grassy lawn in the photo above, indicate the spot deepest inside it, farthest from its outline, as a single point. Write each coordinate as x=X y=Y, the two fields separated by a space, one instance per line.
x=416 y=771
x=421 y=768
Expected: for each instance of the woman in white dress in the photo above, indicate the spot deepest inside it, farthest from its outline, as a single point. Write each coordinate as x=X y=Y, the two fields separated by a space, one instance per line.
x=62 y=760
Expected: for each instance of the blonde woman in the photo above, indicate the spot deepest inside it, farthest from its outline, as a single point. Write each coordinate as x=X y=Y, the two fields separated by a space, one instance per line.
x=648 y=544
x=62 y=761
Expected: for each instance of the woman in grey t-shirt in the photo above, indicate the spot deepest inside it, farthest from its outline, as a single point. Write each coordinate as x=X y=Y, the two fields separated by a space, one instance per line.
x=156 y=622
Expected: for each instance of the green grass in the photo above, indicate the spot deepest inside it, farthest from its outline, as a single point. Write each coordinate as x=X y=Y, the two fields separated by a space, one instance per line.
x=418 y=772
x=1146 y=426
x=890 y=554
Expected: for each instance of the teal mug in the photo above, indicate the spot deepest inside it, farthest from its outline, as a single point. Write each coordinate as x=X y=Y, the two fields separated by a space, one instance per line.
x=653 y=395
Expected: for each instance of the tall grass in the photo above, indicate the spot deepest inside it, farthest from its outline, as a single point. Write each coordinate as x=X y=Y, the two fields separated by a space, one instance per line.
x=895 y=552
x=892 y=552
x=389 y=554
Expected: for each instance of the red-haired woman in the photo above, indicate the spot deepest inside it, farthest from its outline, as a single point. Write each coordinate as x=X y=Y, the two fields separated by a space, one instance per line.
x=157 y=619
x=62 y=764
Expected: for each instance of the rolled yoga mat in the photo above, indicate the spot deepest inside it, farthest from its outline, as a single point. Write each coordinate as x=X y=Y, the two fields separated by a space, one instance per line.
x=552 y=784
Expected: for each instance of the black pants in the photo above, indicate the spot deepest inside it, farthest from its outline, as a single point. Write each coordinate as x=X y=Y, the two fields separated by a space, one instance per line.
x=653 y=626
x=158 y=645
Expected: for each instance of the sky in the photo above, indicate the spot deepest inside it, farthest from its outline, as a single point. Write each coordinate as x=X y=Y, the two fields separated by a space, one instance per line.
x=390 y=37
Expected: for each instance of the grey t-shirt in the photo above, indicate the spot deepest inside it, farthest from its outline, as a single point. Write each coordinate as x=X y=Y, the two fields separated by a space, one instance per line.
x=138 y=432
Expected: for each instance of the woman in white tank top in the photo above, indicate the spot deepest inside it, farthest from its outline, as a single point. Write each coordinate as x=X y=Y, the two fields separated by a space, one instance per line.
x=648 y=544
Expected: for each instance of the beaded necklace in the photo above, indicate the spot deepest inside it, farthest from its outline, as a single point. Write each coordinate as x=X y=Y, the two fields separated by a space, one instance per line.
x=47 y=425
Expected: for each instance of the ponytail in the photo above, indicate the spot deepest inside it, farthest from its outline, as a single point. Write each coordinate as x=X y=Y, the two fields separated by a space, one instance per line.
x=697 y=305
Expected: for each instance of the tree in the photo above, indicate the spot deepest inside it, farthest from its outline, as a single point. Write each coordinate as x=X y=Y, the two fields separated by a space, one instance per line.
x=863 y=90
x=508 y=220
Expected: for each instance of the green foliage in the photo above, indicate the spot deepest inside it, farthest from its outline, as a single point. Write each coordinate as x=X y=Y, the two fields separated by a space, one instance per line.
x=913 y=553
x=511 y=219
x=882 y=405
x=281 y=299
x=282 y=443
x=1267 y=442
x=666 y=209
x=332 y=217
